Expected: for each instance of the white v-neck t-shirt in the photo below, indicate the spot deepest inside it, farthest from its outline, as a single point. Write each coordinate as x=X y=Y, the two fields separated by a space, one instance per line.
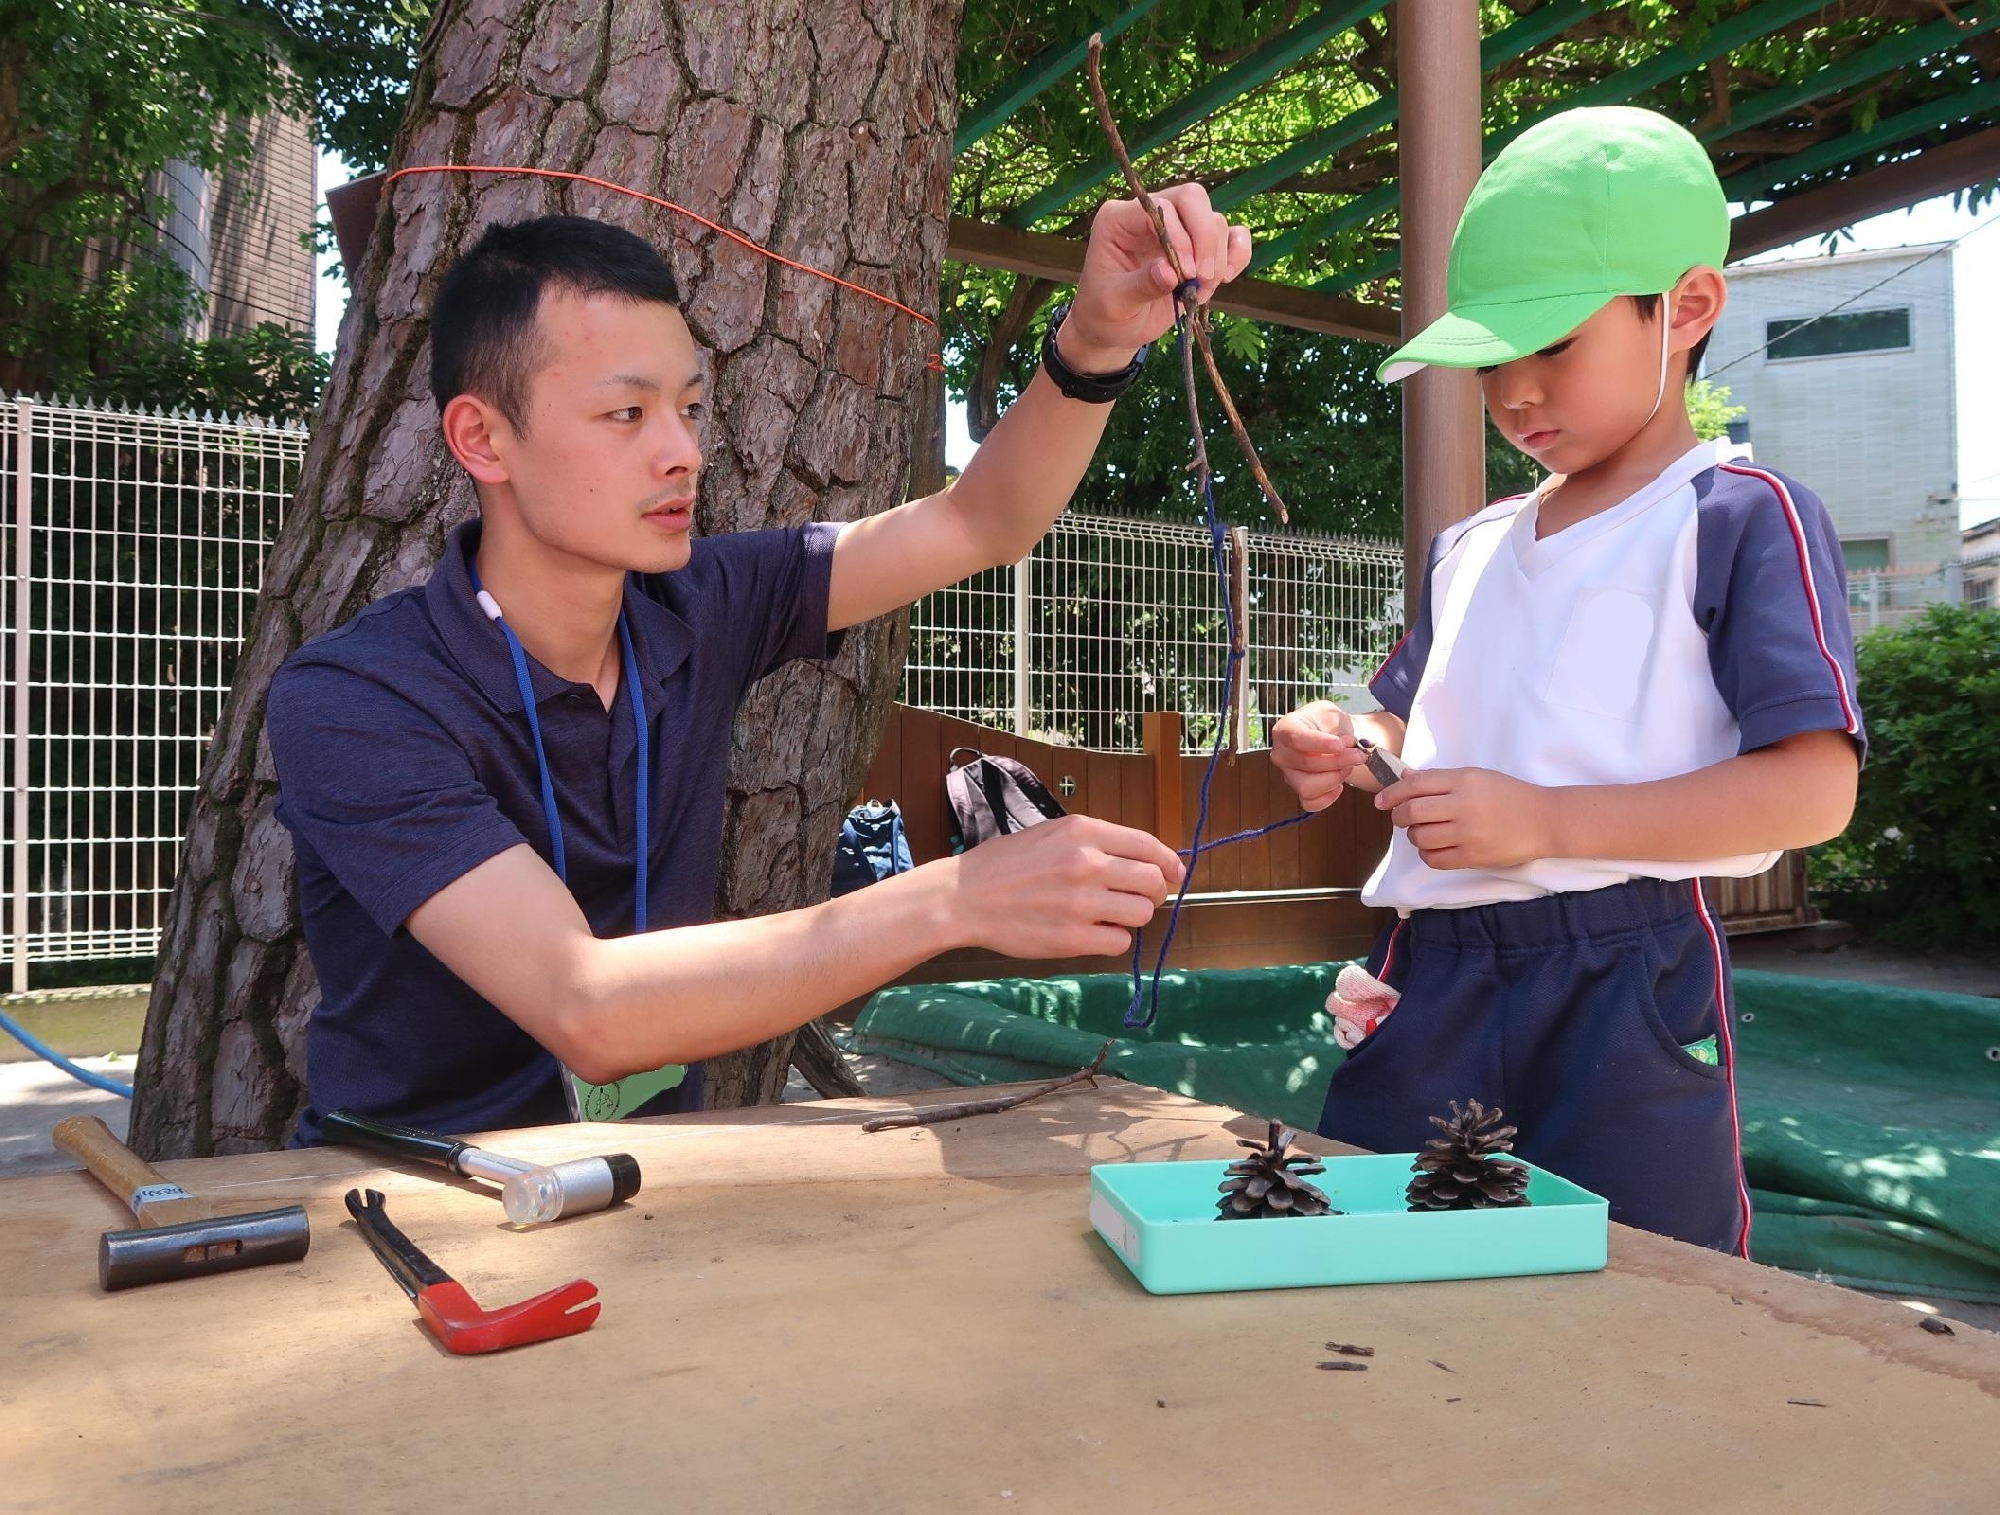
x=1704 y=616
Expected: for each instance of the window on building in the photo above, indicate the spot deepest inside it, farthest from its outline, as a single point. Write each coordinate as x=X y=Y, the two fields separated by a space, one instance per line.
x=1865 y=554
x=1849 y=331
x=1979 y=591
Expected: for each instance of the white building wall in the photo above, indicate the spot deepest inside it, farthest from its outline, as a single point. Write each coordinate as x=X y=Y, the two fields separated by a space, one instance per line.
x=1873 y=434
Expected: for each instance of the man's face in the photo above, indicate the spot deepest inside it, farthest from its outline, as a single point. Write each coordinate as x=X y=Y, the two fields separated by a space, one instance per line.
x=606 y=467
x=1578 y=401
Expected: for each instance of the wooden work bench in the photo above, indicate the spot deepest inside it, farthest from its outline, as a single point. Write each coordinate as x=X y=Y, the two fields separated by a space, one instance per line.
x=800 y=1316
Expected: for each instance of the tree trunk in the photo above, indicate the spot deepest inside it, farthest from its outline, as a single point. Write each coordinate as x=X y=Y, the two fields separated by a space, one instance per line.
x=821 y=131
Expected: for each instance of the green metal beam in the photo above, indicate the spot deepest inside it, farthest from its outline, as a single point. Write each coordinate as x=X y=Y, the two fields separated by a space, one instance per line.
x=1047 y=66
x=1670 y=63
x=1311 y=232
x=1504 y=46
x=1331 y=19
x=1384 y=263
x=1886 y=133
x=1884 y=57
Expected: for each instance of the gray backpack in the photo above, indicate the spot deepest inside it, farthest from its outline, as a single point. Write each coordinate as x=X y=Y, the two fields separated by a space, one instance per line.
x=993 y=796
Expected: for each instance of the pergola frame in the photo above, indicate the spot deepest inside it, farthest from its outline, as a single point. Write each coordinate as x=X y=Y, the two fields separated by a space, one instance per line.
x=1441 y=63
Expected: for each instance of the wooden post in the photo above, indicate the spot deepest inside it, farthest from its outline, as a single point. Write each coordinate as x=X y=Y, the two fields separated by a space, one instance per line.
x=1437 y=74
x=24 y=502
x=1162 y=731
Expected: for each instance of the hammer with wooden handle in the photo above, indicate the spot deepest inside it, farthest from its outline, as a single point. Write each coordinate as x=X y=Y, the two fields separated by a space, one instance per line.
x=179 y=1236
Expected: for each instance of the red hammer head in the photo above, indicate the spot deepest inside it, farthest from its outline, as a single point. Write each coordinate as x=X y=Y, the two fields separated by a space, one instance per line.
x=453 y=1315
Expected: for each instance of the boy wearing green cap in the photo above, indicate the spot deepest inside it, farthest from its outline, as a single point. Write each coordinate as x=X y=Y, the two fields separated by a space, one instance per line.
x=1637 y=675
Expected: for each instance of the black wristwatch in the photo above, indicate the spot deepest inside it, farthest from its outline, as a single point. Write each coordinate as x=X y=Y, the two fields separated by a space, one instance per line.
x=1094 y=389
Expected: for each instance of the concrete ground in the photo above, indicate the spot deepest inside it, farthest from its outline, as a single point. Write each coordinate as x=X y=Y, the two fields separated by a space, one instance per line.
x=1824 y=952
x=35 y=1095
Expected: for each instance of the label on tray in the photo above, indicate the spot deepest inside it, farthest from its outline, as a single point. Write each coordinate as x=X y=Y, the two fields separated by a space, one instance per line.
x=1113 y=1228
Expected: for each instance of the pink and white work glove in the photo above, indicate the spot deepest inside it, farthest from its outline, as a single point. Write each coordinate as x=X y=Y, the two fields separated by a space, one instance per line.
x=1360 y=1002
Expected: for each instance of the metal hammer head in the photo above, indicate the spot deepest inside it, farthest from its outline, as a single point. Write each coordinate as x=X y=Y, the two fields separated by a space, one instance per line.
x=571 y=1188
x=219 y=1244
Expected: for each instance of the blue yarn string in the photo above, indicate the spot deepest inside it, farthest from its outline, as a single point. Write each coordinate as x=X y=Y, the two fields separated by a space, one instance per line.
x=1184 y=299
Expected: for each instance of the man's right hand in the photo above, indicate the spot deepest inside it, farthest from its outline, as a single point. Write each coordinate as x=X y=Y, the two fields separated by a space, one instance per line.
x=1314 y=749
x=1072 y=887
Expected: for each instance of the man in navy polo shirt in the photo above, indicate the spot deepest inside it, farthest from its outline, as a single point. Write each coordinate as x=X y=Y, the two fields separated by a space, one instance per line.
x=506 y=788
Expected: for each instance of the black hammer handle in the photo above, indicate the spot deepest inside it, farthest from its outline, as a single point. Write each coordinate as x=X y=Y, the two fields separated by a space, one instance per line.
x=352 y=1130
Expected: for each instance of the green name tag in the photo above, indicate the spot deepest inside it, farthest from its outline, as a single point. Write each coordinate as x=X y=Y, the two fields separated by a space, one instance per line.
x=618 y=1100
x=1703 y=1051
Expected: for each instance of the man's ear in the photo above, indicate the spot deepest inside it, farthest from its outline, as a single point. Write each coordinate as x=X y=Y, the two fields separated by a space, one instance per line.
x=471 y=429
x=1698 y=301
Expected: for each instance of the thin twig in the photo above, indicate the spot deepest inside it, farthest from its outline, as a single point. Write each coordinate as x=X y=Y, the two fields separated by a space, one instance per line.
x=1197 y=315
x=931 y=1115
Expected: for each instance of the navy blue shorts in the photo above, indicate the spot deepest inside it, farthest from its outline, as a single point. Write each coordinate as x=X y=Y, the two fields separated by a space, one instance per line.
x=1573 y=1013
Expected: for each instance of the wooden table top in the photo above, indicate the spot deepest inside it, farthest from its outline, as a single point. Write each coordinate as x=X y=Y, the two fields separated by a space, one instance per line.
x=801 y=1316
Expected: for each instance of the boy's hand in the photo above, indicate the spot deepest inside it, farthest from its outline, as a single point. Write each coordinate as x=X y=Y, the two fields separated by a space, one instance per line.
x=1072 y=887
x=1314 y=749
x=1125 y=294
x=1470 y=817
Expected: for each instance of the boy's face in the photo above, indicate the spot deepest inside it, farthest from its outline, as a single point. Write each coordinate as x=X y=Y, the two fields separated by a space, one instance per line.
x=606 y=467
x=1578 y=401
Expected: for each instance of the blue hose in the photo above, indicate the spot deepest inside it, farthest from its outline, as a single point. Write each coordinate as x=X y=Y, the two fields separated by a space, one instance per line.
x=49 y=1054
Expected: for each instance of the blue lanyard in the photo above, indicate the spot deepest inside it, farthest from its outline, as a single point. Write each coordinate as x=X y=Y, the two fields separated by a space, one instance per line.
x=630 y=674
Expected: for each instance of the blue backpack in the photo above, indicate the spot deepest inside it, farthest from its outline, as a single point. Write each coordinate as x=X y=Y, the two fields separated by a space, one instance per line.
x=872 y=846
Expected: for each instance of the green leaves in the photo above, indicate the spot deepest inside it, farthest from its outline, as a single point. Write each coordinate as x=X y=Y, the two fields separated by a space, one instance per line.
x=1917 y=861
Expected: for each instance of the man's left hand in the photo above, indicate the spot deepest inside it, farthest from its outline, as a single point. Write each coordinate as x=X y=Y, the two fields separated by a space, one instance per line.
x=1470 y=817
x=1125 y=295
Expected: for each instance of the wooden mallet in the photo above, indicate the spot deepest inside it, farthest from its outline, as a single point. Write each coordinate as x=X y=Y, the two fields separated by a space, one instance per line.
x=179 y=1236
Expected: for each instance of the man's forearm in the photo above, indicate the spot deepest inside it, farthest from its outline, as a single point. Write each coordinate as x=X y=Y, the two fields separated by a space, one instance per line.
x=680 y=995
x=1796 y=793
x=1025 y=472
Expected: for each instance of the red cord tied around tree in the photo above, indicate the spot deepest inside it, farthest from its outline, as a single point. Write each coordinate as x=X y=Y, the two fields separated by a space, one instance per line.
x=934 y=363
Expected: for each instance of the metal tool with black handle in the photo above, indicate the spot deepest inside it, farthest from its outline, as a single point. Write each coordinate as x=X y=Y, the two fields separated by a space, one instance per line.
x=179 y=1236
x=532 y=1193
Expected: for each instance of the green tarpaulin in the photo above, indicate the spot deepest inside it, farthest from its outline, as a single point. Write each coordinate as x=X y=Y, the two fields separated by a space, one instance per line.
x=1871 y=1116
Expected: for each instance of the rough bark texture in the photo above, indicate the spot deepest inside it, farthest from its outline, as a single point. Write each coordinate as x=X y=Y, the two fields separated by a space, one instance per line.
x=822 y=131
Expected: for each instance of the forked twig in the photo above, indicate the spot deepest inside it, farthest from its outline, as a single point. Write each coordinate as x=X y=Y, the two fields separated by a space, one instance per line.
x=931 y=1115
x=1197 y=314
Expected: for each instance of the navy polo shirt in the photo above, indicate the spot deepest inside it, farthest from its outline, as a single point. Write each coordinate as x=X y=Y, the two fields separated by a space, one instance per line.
x=404 y=761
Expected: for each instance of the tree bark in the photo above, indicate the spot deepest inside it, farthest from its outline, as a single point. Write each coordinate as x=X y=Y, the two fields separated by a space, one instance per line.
x=822 y=131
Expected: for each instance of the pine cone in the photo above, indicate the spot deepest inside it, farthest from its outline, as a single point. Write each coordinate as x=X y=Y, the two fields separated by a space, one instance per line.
x=1454 y=1172
x=1271 y=1182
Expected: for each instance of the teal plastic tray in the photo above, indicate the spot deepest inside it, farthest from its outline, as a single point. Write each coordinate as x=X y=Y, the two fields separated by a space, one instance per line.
x=1160 y=1220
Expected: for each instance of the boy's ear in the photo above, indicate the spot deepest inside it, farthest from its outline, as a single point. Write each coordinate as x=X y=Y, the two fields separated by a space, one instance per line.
x=470 y=426
x=1698 y=301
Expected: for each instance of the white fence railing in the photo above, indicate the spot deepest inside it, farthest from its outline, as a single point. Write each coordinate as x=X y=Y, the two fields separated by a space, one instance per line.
x=1110 y=618
x=1892 y=596
x=134 y=545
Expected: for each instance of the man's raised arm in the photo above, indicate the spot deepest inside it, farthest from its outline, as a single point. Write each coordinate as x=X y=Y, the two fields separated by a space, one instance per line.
x=1026 y=471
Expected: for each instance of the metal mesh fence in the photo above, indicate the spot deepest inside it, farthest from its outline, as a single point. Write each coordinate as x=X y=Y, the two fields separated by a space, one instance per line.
x=1109 y=618
x=135 y=544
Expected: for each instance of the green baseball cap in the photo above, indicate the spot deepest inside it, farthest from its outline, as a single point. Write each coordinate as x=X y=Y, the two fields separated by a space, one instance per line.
x=1586 y=206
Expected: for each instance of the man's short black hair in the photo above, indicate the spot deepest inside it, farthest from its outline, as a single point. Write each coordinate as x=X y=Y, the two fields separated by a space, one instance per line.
x=1648 y=305
x=483 y=338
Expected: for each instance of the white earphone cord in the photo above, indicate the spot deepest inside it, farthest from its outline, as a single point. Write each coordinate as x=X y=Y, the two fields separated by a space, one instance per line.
x=1666 y=334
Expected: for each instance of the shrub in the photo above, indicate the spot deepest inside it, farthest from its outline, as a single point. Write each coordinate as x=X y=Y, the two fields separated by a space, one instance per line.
x=1920 y=862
